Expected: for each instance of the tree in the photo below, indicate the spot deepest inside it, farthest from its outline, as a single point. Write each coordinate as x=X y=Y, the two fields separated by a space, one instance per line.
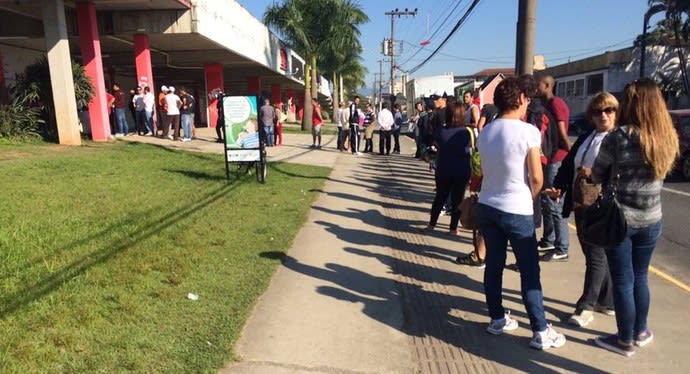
x=33 y=88
x=678 y=20
x=315 y=29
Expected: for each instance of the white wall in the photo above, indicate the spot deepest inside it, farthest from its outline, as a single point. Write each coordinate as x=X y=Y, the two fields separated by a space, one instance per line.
x=14 y=60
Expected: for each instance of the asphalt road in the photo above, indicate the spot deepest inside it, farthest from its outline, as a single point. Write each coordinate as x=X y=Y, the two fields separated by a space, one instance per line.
x=672 y=255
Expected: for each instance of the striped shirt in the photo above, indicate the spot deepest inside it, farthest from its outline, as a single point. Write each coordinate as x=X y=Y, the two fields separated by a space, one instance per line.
x=638 y=193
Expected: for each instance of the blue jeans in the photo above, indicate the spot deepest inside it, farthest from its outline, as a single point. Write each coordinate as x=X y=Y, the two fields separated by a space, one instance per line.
x=121 y=117
x=555 y=226
x=186 y=120
x=149 y=122
x=628 y=264
x=269 y=135
x=498 y=228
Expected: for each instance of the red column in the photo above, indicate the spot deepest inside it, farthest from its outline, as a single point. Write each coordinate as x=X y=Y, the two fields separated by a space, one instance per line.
x=214 y=84
x=142 y=60
x=275 y=94
x=90 y=44
x=254 y=86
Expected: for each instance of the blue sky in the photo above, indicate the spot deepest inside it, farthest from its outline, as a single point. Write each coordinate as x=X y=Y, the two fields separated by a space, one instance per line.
x=565 y=30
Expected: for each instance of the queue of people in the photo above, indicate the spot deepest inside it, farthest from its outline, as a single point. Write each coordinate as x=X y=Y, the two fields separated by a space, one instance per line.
x=174 y=112
x=519 y=183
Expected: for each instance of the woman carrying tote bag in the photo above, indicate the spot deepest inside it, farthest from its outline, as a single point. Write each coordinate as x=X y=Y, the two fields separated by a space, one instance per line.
x=573 y=179
x=642 y=150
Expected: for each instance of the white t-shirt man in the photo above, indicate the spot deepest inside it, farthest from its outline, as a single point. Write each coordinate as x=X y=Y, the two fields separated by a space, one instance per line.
x=339 y=117
x=172 y=101
x=149 y=101
x=503 y=145
x=386 y=119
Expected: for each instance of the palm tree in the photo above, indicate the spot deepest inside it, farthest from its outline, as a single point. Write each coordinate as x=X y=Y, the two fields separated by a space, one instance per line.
x=315 y=29
x=677 y=15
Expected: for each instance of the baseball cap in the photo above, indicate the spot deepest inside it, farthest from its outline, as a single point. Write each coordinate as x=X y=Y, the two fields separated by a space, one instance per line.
x=164 y=88
x=438 y=94
x=171 y=89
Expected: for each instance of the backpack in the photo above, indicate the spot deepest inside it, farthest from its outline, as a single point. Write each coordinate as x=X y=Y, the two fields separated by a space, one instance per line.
x=544 y=120
x=475 y=159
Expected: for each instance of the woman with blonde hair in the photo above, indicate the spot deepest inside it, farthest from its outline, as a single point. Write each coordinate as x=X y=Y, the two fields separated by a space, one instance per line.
x=572 y=179
x=642 y=150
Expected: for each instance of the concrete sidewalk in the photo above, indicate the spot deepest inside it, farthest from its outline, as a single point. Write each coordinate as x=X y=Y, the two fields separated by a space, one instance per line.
x=363 y=290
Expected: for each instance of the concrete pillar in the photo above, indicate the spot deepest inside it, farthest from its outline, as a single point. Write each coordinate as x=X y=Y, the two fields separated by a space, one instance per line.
x=90 y=44
x=142 y=60
x=60 y=64
x=275 y=94
x=4 y=97
x=254 y=86
x=215 y=83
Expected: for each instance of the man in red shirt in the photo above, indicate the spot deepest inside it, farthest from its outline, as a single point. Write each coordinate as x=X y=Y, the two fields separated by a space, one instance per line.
x=316 y=121
x=556 y=235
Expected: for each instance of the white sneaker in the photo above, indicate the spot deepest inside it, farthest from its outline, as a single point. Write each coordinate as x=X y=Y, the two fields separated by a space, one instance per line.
x=149 y=133
x=498 y=326
x=170 y=137
x=119 y=135
x=358 y=154
x=186 y=140
x=546 y=339
x=583 y=319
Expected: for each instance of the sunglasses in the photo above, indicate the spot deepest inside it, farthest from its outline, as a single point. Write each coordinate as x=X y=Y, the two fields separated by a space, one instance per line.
x=607 y=110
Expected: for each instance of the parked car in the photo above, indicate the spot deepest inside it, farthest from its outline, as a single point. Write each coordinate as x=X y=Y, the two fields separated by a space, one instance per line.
x=681 y=121
x=578 y=124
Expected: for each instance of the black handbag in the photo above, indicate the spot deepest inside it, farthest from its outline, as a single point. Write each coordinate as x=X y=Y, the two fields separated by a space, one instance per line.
x=603 y=223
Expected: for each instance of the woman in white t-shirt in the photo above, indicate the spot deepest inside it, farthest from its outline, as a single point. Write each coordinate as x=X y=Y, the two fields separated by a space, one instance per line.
x=513 y=177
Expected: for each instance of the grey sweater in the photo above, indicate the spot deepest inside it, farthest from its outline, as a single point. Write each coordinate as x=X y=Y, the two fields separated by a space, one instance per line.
x=639 y=194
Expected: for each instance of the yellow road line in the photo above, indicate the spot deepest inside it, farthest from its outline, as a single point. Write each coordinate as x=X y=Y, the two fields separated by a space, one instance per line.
x=669 y=278
x=658 y=272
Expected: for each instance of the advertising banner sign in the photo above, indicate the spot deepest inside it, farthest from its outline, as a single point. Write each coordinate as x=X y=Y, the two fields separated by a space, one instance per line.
x=241 y=129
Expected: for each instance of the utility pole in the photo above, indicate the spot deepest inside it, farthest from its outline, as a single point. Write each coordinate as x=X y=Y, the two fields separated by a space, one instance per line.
x=393 y=14
x=380 y=97
x=524 y=45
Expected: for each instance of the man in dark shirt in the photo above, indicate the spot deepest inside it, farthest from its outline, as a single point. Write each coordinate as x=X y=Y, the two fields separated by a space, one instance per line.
x=268 y=119
x=120 y=105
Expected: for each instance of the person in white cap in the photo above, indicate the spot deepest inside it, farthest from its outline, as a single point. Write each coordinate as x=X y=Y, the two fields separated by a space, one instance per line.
x=173 y=104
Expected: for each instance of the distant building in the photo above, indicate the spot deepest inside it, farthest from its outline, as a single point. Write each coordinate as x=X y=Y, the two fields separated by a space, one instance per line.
x=578 y=81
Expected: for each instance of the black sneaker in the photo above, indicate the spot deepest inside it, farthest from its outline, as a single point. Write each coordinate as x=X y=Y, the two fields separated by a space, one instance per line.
x=471 y=260
x=555 y=256
x=543 y=246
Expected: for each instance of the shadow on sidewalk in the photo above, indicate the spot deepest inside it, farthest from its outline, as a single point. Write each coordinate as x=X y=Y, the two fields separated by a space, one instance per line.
x=429 y=313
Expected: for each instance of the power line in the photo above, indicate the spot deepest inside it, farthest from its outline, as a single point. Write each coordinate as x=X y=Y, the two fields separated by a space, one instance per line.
x=457 y=26
x=438 y=29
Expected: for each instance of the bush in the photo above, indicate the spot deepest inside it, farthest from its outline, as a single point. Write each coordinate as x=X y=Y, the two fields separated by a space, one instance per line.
x=20 y=122
x=33 y=89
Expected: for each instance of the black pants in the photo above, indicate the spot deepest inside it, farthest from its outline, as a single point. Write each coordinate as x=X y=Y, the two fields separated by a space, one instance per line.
x=598 y=288
x=384 y=141
x=339 y=145
x=396 y=140
x=140 y=122
x=354 y=138
x=455 y=186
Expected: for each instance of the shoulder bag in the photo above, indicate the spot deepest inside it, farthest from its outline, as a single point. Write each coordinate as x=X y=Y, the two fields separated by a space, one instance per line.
x=585 y=192
x=468 y=212
x=603 y=223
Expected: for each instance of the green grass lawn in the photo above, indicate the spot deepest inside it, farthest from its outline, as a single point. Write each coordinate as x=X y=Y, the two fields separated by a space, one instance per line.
x=101 y=244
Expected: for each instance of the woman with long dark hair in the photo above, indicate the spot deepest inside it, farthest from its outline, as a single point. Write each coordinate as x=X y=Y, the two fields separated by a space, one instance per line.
x=452 y=166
